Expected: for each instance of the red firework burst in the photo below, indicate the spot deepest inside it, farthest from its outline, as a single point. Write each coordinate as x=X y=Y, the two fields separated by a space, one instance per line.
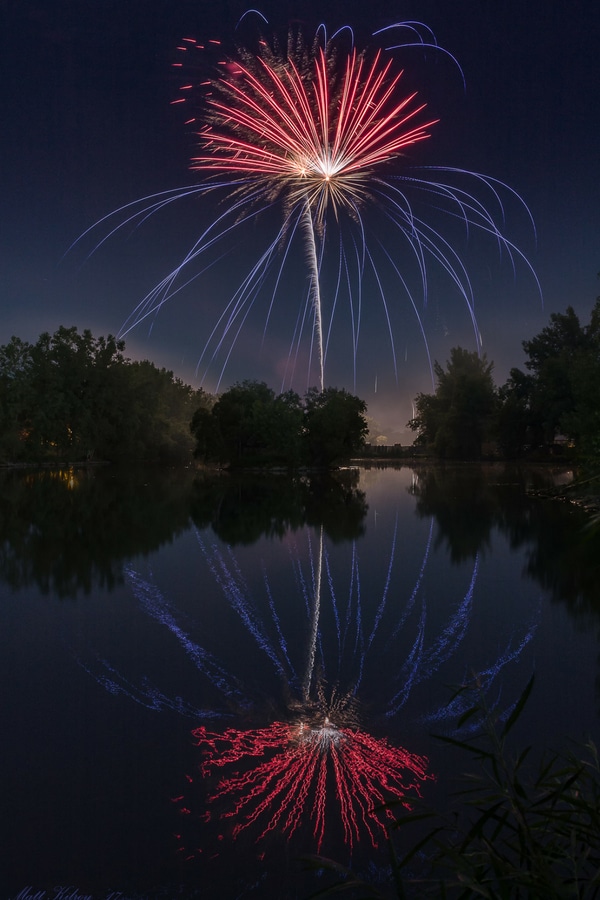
x=313 y=129
x=287 y=770
x=312 y=122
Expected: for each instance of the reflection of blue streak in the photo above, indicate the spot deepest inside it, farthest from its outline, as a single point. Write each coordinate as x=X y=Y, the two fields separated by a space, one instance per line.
x=351 y=635
x=480 y=683
x=238 y=600
x=446 y=644
x=147 y=695
x=334 y=607
x=301 y=582
x=386 y=588
x=410 y=669
x=316 y=580
x=411 y=601
x=365 y=646
x=350 y=593
x=282 y=641
x=358 y=637
x=342 y=651
x=153 y=602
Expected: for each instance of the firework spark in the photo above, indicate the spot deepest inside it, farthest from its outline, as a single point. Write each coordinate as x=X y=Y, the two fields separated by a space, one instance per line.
x=315 y=761
x=288 y=768
x=311 y=135
x=320 y=132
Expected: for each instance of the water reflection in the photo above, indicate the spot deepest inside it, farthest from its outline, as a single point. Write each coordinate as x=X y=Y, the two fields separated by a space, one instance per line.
x=469 y=502
x=309 y=647
x=69 y=531
x=324 y=659
x=241 y=509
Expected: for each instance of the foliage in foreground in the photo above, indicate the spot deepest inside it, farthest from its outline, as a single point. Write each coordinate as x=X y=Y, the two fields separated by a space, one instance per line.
x=516 y=831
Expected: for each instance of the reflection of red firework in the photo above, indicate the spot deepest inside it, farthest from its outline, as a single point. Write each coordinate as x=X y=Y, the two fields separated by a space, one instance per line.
x=293 y=765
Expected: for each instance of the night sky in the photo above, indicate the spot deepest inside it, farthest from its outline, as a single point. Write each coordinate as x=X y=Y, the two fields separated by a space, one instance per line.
x=88 y=126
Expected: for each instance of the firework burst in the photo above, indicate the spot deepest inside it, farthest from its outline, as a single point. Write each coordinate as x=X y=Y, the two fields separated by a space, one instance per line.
x=304 y=763
x=320 y=132
x=287 y=770
x=307 y=130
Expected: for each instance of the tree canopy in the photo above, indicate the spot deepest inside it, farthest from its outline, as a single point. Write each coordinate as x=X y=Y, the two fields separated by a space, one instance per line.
x=559 y=395
x=250 y=425
x=458 y=417
x=71 y=396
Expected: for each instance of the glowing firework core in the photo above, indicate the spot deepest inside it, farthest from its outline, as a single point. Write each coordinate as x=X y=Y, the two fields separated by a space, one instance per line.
x=313 y=129
x=324 y=737
x=300 y=123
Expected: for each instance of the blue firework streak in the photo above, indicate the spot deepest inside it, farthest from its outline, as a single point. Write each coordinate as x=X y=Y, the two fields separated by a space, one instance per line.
x=338 y=645
x=314 y=140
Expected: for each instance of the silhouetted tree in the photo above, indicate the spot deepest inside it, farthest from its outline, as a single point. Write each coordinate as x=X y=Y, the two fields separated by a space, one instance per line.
x=552 y=354
x=335 y=425
x=459 y=416
x=516 y=428
x=71 y=396
x=561 y=394
x=250 y=425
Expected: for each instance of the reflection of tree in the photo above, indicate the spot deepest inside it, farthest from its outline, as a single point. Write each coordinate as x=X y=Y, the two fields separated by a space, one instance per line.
x=240 y=509
x=70 y=530
x=565 y=558
x=562 y=550
x=469 y=501
x=463 y=506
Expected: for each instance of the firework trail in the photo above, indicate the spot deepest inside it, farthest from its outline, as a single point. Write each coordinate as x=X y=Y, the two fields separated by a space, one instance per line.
x=319 y=766
x=294 y=764
x=315 y=652
x=319 y=132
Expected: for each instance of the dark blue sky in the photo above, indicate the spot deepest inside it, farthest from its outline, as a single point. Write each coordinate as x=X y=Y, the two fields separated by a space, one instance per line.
x=88 y=126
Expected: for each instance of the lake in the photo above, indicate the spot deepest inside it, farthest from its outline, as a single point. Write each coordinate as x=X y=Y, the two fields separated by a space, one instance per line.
x=209 y=678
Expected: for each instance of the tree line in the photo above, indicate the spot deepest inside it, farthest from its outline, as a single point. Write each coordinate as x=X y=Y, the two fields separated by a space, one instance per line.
x=251 y=425
x=72 y=396
x=558 y=396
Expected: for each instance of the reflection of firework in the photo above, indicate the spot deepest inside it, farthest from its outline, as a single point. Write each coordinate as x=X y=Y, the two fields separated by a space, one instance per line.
x=319 y=131
x=291 y=767
x=313 y=649
x=322 y=642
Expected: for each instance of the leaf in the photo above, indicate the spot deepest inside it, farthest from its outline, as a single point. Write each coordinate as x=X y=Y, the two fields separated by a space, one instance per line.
x=411 y=817
x=467 y=715
x=470 y=747
x=477 y=828
x=408 y=856
x=521 y=758
x=518 y=708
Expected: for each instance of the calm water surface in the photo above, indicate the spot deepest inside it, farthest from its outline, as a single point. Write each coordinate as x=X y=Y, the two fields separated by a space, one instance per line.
x=207 y=679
